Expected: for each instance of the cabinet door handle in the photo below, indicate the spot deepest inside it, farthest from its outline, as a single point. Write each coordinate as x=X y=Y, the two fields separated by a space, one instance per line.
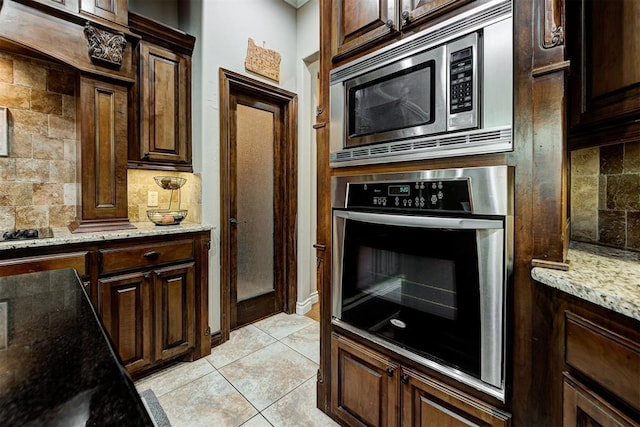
x=405 y=379
x=152 y=255
x=390 y=372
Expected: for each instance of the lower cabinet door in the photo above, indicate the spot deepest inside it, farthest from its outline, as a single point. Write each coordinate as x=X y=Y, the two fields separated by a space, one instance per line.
x=125 y=306
x=175 y=310
x=584 y=408
x=365 y=385
x=427 y=402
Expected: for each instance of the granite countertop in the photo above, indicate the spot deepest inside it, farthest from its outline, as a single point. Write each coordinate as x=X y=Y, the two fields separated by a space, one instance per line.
x=62 y=235
x=604 y=276
x=57 y=366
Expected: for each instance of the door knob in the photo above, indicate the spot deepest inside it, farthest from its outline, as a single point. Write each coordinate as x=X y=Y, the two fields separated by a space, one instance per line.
x=233 y=221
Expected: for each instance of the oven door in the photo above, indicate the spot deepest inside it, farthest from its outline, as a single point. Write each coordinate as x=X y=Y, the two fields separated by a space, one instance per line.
x=431 y=285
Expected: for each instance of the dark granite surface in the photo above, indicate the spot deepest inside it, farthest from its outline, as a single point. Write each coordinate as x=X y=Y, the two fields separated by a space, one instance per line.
x=57 y=367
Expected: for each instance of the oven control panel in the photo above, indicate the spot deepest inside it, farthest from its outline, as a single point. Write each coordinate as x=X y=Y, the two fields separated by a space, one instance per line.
x=438 y=195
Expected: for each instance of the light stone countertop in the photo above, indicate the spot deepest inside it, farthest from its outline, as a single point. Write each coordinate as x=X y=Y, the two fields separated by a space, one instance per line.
x=604 y=276
x=62 y=235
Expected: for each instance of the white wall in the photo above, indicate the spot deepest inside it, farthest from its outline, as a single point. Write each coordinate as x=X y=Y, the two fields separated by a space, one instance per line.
x=222 y=28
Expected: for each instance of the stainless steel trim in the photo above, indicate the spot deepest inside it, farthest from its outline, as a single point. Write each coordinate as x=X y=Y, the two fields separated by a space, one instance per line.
x=497 y=392
x=489 y=186
x=421 y=221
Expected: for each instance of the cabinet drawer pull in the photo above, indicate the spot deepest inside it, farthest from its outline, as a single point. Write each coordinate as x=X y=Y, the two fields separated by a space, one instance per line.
x=390 y=372
x=152 y=255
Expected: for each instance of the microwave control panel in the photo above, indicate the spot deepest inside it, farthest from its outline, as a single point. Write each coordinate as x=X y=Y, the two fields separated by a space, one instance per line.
x=461 y=78
x=431 y=195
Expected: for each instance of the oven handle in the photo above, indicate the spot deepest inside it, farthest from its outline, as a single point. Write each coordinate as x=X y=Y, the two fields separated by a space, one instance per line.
x=421 y=221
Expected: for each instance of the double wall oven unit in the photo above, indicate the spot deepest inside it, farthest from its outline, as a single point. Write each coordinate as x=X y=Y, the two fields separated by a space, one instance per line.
x=446 y=91
x=421 y=262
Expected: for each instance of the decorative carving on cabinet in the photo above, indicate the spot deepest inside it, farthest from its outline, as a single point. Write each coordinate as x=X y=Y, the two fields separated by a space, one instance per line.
x=553 y=16
x=104 y=46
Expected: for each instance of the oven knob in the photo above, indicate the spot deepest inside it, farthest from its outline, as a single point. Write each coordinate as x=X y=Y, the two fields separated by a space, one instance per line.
x=375 y=201
x=422 y=185
x=421 y=204
x=417 y=185
x=440 y=186
x=384 y=201
x=410 y=203
x=404 y=202
x=397 y=201
x=434 y=186
x=440 y=195
x=434 y=199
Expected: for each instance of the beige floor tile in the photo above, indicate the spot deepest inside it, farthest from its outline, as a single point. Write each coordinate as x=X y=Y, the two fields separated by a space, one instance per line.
x=242 y=342
x=257 y=421
x=306 y=342
x=268 y=374
x=208 y=401
x=175 y=376
x=281 y=325
x=298 y=408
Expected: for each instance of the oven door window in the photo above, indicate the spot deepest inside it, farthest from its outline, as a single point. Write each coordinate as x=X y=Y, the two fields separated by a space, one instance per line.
x=417 y=287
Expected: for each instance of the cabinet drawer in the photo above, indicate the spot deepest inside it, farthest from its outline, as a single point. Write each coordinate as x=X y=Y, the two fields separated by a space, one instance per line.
x=609 y=359
x=140 y=256
x=75 y=260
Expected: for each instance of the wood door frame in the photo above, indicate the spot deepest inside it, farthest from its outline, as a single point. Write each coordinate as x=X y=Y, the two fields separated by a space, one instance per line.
x=231 y=82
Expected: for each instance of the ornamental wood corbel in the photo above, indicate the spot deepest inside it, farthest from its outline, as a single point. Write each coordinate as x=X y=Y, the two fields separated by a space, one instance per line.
x=553 y=24
x=105 y=47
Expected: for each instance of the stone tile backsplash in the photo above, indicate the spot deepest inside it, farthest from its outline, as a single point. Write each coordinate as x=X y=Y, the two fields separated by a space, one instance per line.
x=38 y=183
x=605 y=195
x=38 y=180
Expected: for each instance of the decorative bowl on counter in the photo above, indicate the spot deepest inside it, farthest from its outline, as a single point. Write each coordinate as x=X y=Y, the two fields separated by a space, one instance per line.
x=169 y=182
x=167 y=216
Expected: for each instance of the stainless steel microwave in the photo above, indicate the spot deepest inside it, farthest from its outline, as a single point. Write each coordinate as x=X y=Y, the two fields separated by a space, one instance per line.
x=442 y=92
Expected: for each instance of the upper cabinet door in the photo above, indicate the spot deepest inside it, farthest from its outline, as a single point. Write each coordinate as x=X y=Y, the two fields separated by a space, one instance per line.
x=164 y=105
x=358 y=24
x=413 y=12
x=111 y=10
x=604 y=49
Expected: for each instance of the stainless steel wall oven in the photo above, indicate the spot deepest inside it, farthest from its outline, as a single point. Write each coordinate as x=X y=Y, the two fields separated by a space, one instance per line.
x=420 y=266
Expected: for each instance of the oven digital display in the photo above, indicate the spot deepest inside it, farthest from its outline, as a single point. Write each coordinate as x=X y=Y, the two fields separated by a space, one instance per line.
x=399 y=190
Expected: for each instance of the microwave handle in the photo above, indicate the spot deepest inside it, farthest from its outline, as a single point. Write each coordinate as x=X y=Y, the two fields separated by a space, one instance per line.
x=421 y=221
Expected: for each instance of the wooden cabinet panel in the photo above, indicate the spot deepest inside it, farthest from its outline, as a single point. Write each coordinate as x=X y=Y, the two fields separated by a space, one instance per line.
x=427 y=402
x=175 y=310
x=413 y=12
x=165 y=101
x=365 y=386
x=125 y=306
x=584 y=408
x=358 y=24
x=608 y=358
x=75 y=260
x=143 y=256
x=103 y=166
x=111 y=10
x=604 y=83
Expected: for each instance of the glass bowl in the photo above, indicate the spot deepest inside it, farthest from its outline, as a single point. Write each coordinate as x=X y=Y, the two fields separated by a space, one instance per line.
x=167 y=216
x=167 y=182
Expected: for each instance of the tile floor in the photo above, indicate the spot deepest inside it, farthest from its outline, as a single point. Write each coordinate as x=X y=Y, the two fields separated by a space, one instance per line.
x=265 y=375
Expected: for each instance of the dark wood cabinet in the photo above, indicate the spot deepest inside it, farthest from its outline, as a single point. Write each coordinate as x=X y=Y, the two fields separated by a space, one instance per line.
x=126 y=309
x=584 y=408
x=366 y=385
x=591 y=359
x=428 y=402
x=110 y=10
x=151 y=292
x=604 y=48
x=102 y=109
x=358 y=24
x=175 y=314
x=164 y=105
x=370 y=389
x=161 y=98
x=147 y=299
x=415 y=12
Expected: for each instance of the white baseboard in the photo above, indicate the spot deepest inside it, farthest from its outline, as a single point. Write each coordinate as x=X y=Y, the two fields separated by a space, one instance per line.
x=305 y=306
